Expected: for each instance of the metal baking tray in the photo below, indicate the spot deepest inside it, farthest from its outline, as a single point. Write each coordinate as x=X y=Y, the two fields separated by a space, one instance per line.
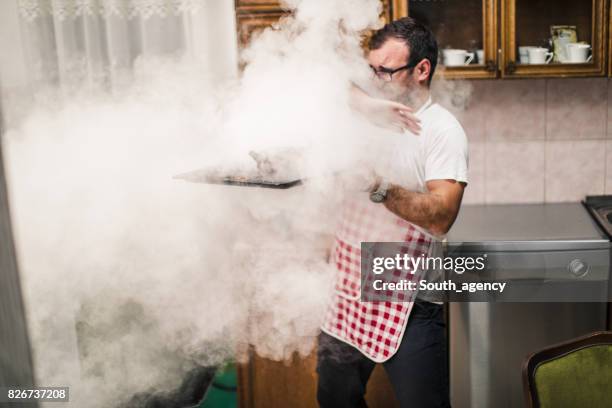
x=201 y=176
x=284 y=184
x=265 y=176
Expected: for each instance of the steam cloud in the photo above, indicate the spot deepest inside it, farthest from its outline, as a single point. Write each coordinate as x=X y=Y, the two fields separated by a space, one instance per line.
x=132 y=277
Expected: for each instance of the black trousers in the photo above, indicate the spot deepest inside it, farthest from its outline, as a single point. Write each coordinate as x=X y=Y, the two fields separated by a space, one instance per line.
x=418 y=371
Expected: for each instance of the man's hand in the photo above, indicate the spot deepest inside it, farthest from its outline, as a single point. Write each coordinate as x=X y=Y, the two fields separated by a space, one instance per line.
x=435 y=210
x=384 y=113
x=393 y=115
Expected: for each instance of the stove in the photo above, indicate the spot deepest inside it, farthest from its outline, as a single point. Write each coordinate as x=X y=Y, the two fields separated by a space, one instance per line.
x=600 y=208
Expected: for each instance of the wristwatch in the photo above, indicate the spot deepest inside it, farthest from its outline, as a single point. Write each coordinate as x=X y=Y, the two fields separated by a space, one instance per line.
x=380 y=194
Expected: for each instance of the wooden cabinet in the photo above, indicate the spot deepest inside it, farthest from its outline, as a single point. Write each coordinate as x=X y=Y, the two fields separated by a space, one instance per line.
x=250 y=23
x=528 y=23
x=469 y=25
x=473 y=24
x=255 y=15
x=266 y=383
x=497 y=27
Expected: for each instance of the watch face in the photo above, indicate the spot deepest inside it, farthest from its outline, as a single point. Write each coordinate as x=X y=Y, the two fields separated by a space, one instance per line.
x=377 y=197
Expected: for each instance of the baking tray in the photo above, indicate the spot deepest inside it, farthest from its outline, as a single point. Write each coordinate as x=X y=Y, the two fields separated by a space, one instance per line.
x=266 y=175
x=204 y=177
x=261 y=183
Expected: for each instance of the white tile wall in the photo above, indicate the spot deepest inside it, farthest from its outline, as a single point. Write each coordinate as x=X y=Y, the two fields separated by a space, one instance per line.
x=541 y=140
x=574 y=169
x=514 y=172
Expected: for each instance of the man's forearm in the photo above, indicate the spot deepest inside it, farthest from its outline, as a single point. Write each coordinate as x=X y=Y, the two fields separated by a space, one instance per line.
x=358 y=99
x=428 y=210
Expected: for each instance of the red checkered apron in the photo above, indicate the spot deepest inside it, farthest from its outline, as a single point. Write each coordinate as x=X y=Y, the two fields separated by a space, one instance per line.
x=375 y=328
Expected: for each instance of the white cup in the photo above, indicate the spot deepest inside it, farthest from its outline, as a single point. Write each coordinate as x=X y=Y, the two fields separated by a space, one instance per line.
x=539 y=55
x=524 y=53
x=456 y=58
x=578 y=53
x=480 y=56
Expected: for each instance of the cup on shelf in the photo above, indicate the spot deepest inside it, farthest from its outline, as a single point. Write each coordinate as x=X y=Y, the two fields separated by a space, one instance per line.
x=578 y=53
x=456 y=57
x=539 y=55
x=524 y=53
x=480 y=56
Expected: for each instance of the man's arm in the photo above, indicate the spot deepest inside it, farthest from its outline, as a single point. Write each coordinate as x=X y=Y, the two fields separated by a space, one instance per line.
x=435 y=210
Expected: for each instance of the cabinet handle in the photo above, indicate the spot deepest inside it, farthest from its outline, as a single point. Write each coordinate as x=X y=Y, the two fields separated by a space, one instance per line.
x=510 y=67
x=491 y=66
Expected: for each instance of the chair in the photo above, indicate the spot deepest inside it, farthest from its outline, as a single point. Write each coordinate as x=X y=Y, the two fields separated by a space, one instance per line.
x=576 y=373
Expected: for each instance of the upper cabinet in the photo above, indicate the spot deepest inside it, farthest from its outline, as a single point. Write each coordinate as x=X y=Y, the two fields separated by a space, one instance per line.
x=553 y=38
x=466 y=32
x=255 y=15
x=492 y=38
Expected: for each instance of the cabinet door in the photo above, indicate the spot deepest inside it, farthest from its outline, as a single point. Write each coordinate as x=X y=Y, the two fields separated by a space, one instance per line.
x=536 y=34
x=251 y=23
x=255 y=15
x=266 y=383
x=464 y=29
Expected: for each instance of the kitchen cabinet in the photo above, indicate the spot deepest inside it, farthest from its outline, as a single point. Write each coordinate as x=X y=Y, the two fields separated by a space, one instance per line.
x=529 y=22
x=468 y=25
x=253 y=22
x=255 y=15
x=497 y=27
x=474 y=24
x=267 y=383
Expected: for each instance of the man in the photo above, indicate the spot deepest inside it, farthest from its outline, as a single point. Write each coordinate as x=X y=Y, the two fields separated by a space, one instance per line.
x=408 y=338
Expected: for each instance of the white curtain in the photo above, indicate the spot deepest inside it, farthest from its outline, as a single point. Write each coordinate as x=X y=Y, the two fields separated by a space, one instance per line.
x=96 y=42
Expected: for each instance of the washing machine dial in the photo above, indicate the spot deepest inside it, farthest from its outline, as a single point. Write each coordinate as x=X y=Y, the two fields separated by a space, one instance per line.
x=578 y=268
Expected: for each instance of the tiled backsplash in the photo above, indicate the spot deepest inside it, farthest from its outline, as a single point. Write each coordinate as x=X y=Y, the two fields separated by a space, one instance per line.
x=541 y=140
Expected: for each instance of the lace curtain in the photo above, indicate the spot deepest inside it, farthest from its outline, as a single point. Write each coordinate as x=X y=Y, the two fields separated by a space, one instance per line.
x=32 y=9
x=97 y=42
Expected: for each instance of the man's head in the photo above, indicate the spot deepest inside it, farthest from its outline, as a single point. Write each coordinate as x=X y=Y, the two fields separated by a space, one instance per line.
x=404 y=53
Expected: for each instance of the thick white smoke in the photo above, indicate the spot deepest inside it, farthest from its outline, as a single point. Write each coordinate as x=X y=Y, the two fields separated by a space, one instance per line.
x=131 y=276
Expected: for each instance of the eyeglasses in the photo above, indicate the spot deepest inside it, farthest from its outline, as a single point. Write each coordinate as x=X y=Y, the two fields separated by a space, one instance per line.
x=386 y=74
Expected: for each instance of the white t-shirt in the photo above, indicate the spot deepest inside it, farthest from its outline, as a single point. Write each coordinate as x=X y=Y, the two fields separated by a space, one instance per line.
x=440 y=151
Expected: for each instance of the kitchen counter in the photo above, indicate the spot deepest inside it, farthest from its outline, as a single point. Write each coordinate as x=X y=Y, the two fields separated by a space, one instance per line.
x=551 y=226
